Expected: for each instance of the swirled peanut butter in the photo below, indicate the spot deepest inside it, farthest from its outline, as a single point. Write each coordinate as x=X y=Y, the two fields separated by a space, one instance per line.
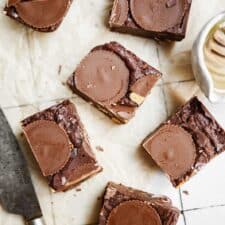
x=214 y=52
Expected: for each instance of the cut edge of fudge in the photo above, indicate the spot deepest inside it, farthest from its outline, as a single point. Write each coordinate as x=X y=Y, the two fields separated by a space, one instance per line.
x=138 y=71
x=207 y=135
x=127 y=24
x=81 y=163
x=116 y=194
x=11 y=11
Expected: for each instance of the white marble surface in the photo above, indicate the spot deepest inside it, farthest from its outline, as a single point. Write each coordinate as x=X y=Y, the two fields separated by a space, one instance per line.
x=29 y=81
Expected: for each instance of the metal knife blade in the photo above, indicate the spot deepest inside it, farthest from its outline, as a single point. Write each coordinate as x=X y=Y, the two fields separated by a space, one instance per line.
x=17 y=194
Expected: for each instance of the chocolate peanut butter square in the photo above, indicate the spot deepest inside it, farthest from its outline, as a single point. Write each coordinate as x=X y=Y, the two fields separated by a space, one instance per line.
x=164 y=20
x=41 y=15
x=114 y=80
x=60 y=146
x=186 y=142
x=125 y=206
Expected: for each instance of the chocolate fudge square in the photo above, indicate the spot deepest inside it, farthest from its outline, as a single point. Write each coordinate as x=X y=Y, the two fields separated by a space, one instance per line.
x=163 y=20
x=114 y=80
x=60 y=145
x=127 y=206
x=186 y=142
x=41 y=15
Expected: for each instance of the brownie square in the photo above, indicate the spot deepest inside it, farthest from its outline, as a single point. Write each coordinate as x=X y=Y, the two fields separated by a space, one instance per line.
x=163 y=20
x=186 y=142
x=40 y=15
x=114 y=80
x=124 y=206
x=60 y=145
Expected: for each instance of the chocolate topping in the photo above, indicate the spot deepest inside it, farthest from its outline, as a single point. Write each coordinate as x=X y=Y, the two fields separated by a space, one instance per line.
x=120 y=12
x=173 y=149
x=107 y=76
x=103 y=76
x=155 y=15
x=133 y=213
x=206 y=134
x=40 y=13
x=133 y=200
x=143 y=85
x=50 y=145
x=81 y=163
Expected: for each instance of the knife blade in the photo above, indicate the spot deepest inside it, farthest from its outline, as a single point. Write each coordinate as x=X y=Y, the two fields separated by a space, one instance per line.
x=17 y=194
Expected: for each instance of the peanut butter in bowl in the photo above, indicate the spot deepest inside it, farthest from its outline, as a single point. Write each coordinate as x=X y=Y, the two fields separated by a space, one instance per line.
x=214 y=53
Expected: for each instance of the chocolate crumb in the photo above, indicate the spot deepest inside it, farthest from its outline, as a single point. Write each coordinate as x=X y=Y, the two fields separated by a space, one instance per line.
x=99 y=198
x=186 y=192
x=78 y=189
x=59 y=69
x=99 y=148
x=171 y=3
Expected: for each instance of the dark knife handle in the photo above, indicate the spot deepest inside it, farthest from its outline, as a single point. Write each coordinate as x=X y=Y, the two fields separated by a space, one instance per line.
x=37 y=221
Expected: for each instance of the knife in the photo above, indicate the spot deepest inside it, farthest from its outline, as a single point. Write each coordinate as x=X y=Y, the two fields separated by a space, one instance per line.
x=17 y=194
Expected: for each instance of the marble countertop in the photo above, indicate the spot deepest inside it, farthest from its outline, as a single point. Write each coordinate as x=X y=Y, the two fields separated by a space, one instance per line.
x=30 y=81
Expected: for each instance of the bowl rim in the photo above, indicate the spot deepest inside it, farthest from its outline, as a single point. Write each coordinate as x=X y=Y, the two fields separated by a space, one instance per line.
x=198 y=51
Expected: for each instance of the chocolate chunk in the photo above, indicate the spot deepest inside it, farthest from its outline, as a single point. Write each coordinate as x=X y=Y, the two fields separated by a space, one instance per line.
x=164 y=20
x=132 y=213
x=173 y=149
x=42 y=15
x=186 y=142
x=102 y=76
x=115 y=80
x=120 y=12
x=49 y=144
x=60 y=145
x=142 y=86
x=124 y=205
x=171 y=3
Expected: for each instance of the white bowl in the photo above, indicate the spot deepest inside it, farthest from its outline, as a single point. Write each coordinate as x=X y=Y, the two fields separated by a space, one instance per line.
x=201 y=73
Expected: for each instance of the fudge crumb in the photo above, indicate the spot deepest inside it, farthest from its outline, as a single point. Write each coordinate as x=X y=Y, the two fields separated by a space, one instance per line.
x=99 y=198
x=171 y=3
x=99 y=148
x=78 y=189
x=185 y=192
x=59 y=69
